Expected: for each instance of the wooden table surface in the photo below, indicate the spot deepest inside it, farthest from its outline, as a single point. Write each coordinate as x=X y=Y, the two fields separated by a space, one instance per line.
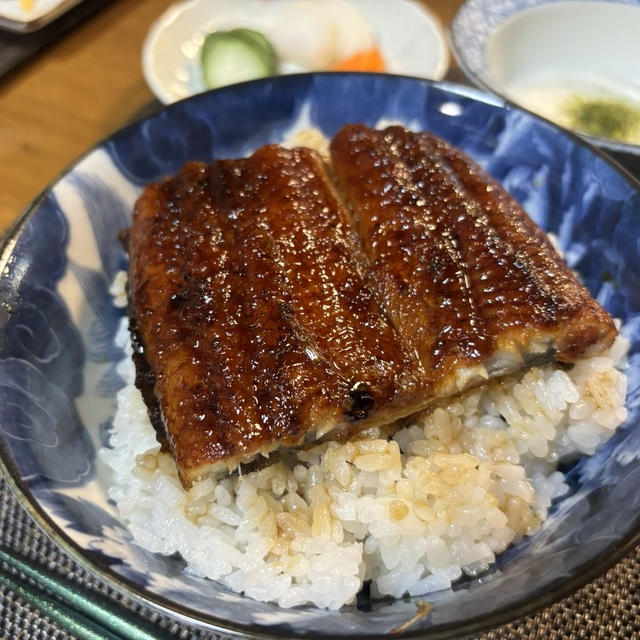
x=76 y=92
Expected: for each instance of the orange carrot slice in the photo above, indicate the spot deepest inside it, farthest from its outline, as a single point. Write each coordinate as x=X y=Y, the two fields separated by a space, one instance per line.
x=369 y=60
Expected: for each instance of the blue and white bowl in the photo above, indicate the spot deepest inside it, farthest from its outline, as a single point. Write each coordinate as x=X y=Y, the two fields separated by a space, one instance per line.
x=541 y=53
x=57 y=359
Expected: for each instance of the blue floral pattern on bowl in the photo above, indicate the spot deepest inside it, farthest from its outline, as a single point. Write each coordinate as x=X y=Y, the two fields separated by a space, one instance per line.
x=57 y=322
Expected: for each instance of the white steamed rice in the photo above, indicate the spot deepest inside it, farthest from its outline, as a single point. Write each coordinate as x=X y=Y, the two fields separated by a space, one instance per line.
x=412 y=514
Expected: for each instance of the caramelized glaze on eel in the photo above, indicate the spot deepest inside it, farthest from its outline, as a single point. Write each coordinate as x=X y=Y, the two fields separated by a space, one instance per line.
x=277 y=300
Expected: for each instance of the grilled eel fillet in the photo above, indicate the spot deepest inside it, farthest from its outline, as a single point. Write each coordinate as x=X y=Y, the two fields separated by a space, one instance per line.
x=267 y=311
x=467 y=279
x=248 y=290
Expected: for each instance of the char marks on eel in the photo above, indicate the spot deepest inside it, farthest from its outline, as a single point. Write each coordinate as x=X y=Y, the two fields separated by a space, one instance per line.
x=262 y=332
x=463 y=273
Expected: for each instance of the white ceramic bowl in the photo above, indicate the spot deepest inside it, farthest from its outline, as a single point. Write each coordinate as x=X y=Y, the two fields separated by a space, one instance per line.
x=545 y=56
x=409 y=37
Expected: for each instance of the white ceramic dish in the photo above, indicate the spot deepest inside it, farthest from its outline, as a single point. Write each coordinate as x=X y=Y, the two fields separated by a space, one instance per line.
x=19 y=16
x=410 y=38
x=540 y=54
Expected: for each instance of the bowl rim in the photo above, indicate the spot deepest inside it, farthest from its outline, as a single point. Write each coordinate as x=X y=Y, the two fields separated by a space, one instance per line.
x=536 y=601
x=483 y=80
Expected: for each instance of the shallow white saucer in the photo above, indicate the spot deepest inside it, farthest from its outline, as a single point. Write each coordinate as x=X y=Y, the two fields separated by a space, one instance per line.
x=20 y=16
x=410 y=38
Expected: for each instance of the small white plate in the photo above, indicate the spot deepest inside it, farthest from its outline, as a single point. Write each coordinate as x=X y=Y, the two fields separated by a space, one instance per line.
x=23 y=16
x=411 y=39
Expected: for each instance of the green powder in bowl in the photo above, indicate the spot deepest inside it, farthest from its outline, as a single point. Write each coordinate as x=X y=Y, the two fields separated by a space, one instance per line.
x=604 y=117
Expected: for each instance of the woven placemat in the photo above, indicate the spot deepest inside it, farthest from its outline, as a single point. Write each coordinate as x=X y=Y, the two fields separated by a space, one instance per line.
x=608 y=607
